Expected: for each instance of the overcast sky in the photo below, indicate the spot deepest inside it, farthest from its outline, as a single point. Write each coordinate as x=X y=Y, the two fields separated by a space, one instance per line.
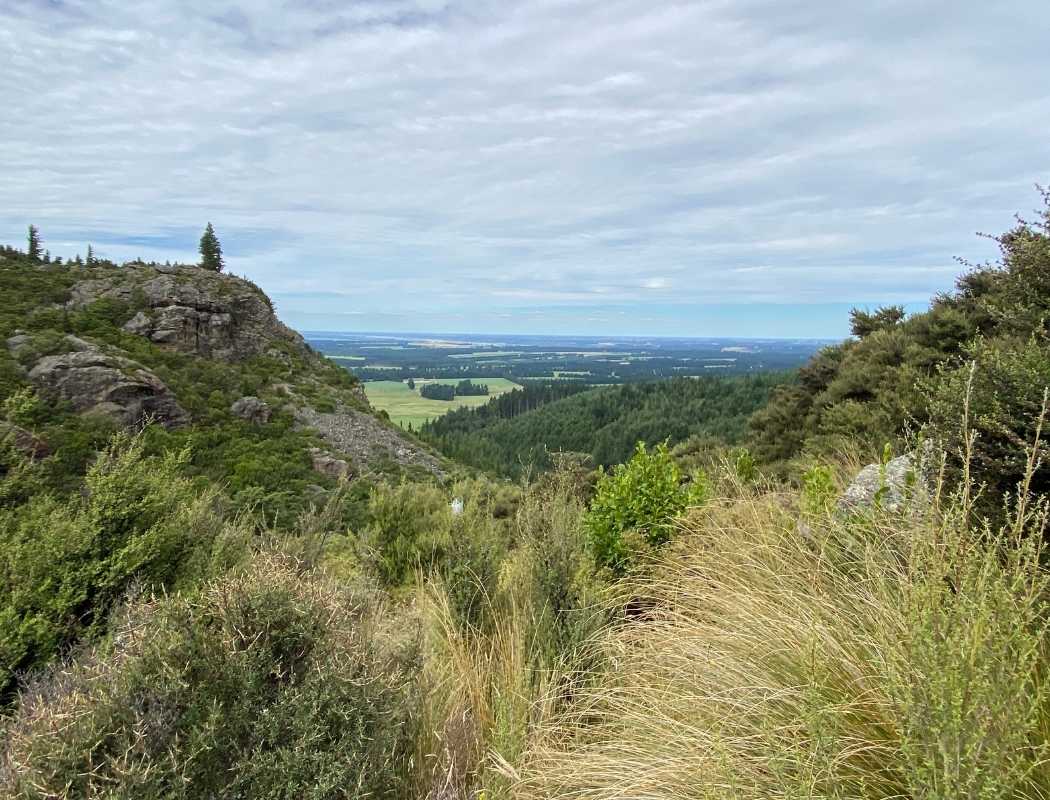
x=565 y=166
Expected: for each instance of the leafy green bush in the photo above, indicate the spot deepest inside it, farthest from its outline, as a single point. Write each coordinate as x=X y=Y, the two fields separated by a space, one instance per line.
x=998 y=396
x=635 y=503
x=270 y=684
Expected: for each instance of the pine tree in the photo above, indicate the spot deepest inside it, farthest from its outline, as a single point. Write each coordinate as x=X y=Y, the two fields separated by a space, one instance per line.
x=211 y=250
x=34 y=243
x=90 y=255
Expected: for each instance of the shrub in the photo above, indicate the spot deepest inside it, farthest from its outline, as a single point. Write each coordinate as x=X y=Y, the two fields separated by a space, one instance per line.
x=63 y=564
x=270 y=684
x=998 y=397
x=638 y=499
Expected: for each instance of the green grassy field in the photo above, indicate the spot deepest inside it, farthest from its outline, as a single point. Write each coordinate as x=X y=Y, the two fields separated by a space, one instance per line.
x=406 y=406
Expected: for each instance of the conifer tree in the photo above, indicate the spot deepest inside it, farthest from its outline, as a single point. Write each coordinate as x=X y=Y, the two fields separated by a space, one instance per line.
x=34 y=243
x=211 y=250
x=90 y=255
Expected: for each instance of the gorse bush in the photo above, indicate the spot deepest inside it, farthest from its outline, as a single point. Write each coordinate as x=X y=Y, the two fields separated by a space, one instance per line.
x=635 y=503
x=871 y=656
x=270 y=684
x=64 y=564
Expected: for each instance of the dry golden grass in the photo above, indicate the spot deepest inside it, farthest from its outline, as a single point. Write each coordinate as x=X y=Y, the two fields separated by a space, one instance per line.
x=784 y=654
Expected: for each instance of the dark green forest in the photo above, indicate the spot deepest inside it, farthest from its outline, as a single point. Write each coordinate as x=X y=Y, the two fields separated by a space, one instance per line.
x=605 y=423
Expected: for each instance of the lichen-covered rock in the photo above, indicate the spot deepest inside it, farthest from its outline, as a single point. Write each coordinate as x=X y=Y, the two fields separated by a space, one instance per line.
x=22 y=440
x=93 y=381
x=252 y=409
x=327 y=464
x=193 y=310
x=892 y=487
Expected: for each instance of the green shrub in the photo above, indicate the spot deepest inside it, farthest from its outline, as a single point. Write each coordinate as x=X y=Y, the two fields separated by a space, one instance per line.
x=63 y=564
x=998 y=395
x=406 y=528
x=638 y=499
x=270 y=684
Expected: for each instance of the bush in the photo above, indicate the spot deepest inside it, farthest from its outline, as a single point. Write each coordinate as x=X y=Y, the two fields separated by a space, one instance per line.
x=638 y=501
x=270 y=684
x=63 y=564
x=999 y=398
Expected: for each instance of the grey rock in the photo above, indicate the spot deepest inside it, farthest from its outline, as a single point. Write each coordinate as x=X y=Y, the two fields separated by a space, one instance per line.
x=25 y=442
x=366 y=440
x=895 y=487
x=93 y=381
x=327 y=464
x=193 y=310
x=18 y=343
x=252 y=409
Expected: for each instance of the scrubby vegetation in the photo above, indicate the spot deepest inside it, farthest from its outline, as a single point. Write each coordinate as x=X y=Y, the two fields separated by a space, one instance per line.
x=699 y=619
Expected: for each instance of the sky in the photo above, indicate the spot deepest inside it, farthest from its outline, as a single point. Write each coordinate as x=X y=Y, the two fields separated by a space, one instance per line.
x=724 y=168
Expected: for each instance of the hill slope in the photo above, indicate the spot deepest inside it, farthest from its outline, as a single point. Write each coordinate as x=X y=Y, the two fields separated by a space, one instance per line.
x=606 y=422
x=201 y=353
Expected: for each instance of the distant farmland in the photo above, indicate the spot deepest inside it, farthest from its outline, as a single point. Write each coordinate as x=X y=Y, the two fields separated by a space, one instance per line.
x=405 y=406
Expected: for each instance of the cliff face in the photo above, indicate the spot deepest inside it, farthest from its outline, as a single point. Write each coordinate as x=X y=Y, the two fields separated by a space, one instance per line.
x=193 y=310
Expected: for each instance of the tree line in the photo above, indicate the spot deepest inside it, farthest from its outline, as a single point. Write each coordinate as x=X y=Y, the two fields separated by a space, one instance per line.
x=209 y=247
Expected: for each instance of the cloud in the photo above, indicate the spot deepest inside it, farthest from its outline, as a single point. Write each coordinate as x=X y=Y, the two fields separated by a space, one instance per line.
x=429 y=157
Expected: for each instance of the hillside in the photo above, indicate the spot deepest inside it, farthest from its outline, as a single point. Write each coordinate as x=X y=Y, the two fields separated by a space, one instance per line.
x=605 y=423
x=202 y=354
x=682 y=624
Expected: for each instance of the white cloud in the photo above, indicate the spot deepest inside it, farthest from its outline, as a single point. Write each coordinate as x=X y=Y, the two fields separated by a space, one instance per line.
x=430 y=155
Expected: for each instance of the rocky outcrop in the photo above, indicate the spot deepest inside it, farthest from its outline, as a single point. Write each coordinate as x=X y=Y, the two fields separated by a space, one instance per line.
x=193 y=310
x=327 y=464
x=366 y=440
x=893 y=486
x=97 y=382
x=23 y=441
x=252 y=409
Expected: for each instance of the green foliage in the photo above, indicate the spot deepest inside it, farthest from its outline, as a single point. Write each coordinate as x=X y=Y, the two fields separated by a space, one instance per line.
x=269 y=684
x=819 y=490
x=438 y=391
x=998 y=396
x=211 y=250
x=64 y=563
x=871 y=390
x=33 y=243
x=519 y=431
x=404 y=531
x=635 y=504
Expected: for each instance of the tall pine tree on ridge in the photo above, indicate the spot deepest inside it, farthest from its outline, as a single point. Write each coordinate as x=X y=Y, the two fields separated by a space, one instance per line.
x=211 y=250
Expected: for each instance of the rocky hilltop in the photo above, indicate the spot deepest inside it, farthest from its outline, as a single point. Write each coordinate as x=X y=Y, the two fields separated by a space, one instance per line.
x=192 y=310
x=150 y=339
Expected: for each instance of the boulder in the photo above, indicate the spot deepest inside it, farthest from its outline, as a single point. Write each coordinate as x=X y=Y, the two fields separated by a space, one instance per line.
x=327 y=464
x=93 y=381
x=23 y=441
x=252 y=409
x=894 y=487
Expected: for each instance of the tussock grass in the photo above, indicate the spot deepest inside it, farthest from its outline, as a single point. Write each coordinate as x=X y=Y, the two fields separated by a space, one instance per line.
x=791 y=654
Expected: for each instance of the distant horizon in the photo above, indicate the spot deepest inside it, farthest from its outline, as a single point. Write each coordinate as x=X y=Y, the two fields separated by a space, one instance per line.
x=803 y=322
x=466 y=335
